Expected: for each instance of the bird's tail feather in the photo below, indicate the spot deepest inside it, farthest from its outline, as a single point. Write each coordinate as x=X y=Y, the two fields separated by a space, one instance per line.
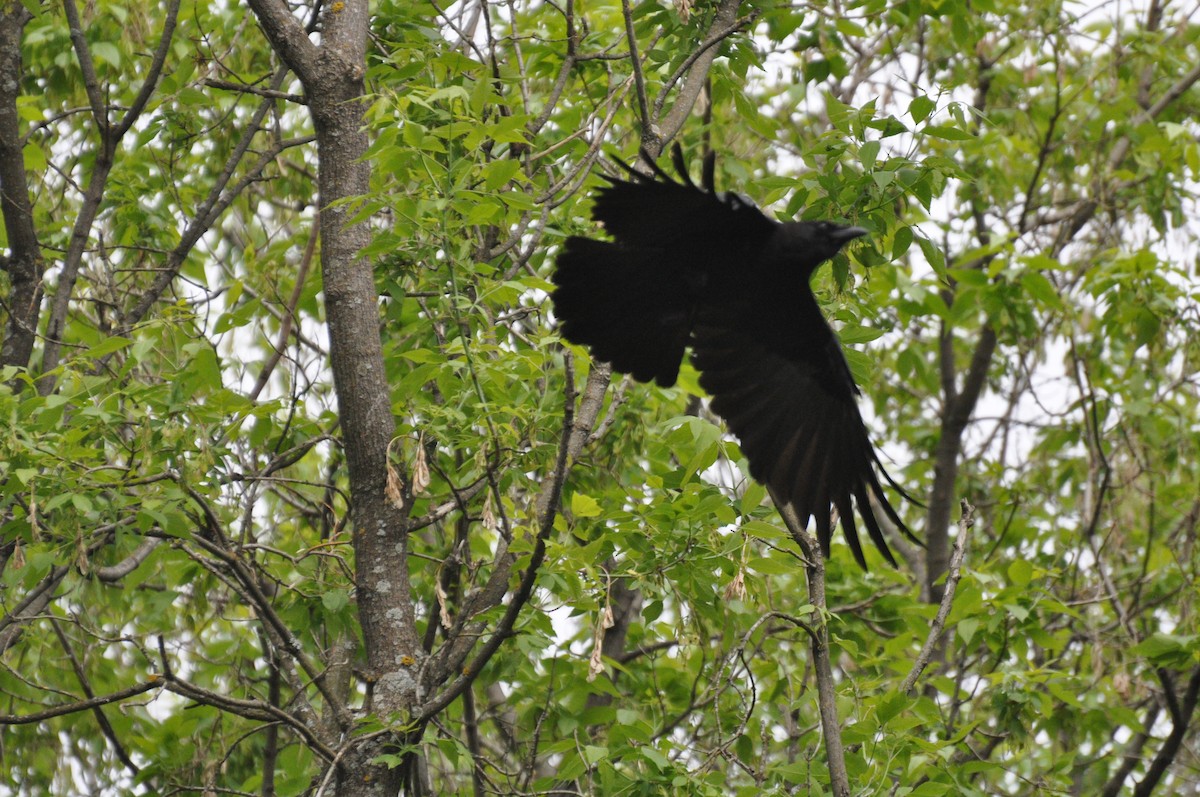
x=620 y=302
x=877 y=490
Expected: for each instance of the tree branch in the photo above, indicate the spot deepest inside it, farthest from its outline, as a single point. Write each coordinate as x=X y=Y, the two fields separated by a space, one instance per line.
x=725 y=18
x=210 y=209
x=715 y=37
x=287 y=36
x=32 y=605
x=113 y=573
x=635 y=62
x=155 y=682
x=1132 y=756
x=939 y=621
x=1170 y=747
x=81 y=675
x=504 y=628
x=814 y=569
x=106 y=147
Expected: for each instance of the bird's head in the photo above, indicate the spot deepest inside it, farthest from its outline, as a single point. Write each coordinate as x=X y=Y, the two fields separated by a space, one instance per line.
x=814 y=242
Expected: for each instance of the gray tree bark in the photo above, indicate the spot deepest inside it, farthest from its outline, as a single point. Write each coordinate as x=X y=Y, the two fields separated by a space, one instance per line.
x=24 y=266
x=332 y=75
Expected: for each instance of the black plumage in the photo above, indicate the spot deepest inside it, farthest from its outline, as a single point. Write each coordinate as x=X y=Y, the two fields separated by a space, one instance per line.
x=690 y=267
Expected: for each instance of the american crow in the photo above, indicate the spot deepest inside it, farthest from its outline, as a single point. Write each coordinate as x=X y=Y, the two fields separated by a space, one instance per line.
x=688 y=266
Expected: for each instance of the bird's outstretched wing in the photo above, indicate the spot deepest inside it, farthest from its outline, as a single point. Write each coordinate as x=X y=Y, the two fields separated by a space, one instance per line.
x=631 y=300
x=630 y=305
x=797 y=422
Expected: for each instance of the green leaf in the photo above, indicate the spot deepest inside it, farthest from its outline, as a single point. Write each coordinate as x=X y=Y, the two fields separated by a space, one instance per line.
x=34 y=157
x=190 y=95
x=933 y=254
x=450 y=93
x=335 y=600
x=593 y=753
x=107 y=52
x=861 y=365
x=967 y=628
x=901 y=242
x=499 y=172
x=1168 y=650
x=106 y=347
x=584 y=506
x=1020 y=573
x=920 y=108
x=1040 y=288
x=852 y=335
x=771 y=566
x=890 y=705
x=848 y=27
x=947 y=133
x=867 y=153
x=763 y=530
x=1146 y=326
x=653 y=756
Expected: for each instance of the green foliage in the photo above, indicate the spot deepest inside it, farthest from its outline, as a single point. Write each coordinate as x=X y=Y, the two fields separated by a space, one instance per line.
x=1014 y=184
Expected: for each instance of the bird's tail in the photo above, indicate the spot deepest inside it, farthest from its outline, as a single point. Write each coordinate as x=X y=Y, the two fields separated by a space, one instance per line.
x=620 y=302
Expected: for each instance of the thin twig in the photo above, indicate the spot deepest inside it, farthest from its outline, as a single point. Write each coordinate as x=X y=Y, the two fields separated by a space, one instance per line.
x=953 y=574
x=244 y=89
x=635 y=62
x=106 y=727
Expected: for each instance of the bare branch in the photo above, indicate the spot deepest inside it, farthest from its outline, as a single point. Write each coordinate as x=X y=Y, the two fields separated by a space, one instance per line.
x=724 y=19
x=289 y=318
x=635 y=63
x=814 y=569
x=155 y=682
x=32 y=605
x=24 y=263
x=267 y=93
x=214 y=205
x=1132 y=756
x=81 y=675
x=1180 y=722
x=953 y=574
x=114 y=573
x=286 y=35
x=714 y=38
x=218 y=545
x=152 y=74
x=91 y=82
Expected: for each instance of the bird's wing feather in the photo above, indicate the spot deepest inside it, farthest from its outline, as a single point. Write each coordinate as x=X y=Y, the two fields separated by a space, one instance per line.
x=660 y=212
x=631 y=299
x=629 y=305
x=797 y=422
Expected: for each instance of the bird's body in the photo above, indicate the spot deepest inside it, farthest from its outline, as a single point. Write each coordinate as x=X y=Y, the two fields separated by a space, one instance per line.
x=690 y=267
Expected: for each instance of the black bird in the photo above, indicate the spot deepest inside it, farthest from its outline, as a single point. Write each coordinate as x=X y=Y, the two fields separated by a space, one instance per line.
x=689 y=266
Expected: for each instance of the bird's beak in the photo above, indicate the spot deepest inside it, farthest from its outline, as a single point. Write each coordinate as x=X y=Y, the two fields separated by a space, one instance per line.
x=846 y=234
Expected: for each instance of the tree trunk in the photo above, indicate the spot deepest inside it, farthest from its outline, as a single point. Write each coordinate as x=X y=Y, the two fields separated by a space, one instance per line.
x=332 y=75
x=24 y=266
